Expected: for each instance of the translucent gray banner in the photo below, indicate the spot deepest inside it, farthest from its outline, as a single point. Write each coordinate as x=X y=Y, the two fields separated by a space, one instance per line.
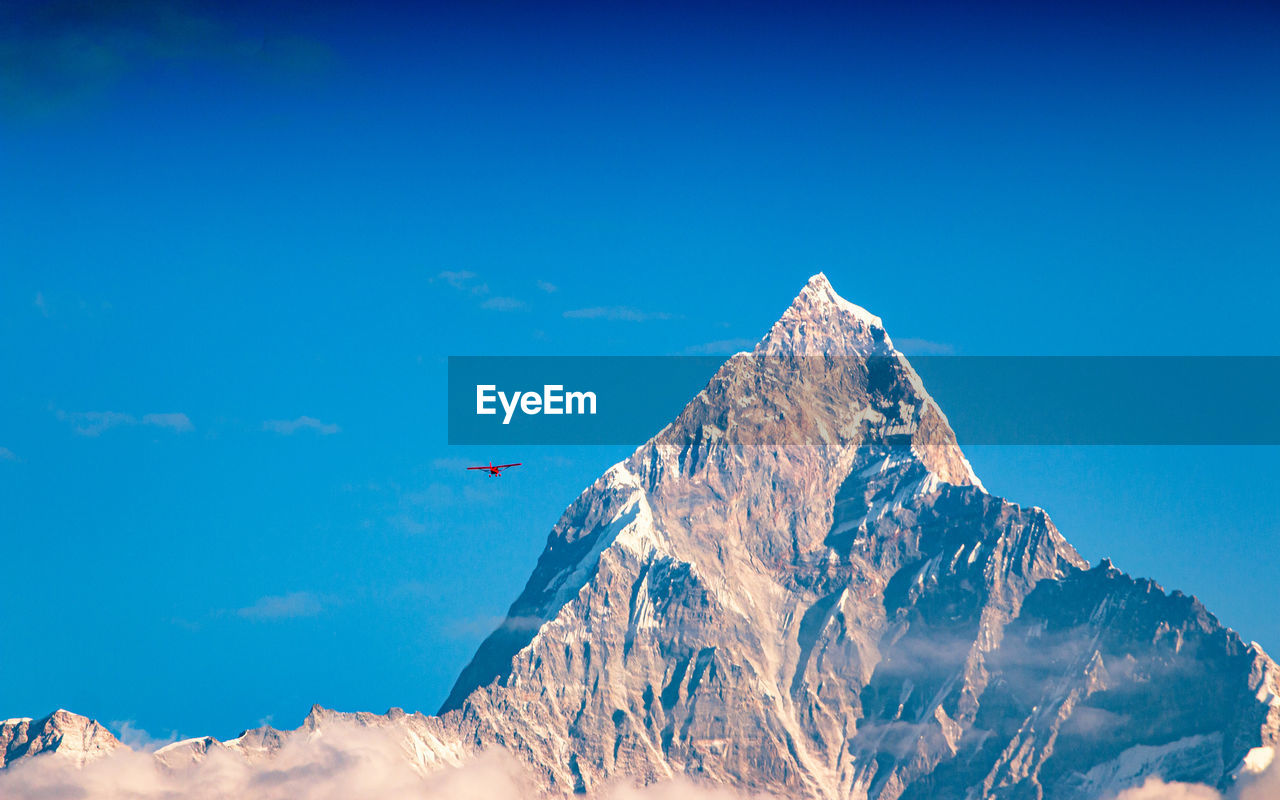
x=750 y=399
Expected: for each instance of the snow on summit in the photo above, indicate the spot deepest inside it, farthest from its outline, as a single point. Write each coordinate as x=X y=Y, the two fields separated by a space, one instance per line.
x=858 y=619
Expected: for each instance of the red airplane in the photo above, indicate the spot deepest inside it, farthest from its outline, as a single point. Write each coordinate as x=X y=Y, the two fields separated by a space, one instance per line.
x=495 y=470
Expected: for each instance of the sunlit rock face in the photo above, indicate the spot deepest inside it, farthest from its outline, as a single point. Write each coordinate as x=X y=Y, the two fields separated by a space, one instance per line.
x=71 y=737
x=799 y=587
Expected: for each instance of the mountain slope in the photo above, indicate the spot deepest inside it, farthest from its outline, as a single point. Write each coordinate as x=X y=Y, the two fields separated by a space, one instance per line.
x=800 y=587
x=834 y=620
x=70 y=736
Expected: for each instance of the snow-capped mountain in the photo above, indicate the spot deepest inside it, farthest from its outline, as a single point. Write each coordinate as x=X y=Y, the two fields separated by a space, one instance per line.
x=71 y=736
x=800 y=587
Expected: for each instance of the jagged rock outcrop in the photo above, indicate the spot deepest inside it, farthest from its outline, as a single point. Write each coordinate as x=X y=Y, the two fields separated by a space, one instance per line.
x=70 y=736
x=427 y=743
x=800 y=587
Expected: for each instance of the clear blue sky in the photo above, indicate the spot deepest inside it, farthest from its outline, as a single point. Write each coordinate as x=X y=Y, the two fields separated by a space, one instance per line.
x=216 y=223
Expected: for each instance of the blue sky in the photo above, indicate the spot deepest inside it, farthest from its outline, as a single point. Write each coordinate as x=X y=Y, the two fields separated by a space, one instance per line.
x=238 y=245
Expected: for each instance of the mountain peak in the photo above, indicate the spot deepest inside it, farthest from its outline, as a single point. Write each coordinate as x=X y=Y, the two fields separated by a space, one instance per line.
x=821 y=322
x=73 y=737
x=819 y=293
x=859 y=619
x=818 y=282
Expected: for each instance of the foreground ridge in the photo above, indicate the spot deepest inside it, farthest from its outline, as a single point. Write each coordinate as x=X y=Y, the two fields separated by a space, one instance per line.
x=859 y=619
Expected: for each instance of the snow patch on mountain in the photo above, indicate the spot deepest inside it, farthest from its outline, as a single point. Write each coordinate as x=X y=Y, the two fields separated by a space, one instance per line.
x=737 y=606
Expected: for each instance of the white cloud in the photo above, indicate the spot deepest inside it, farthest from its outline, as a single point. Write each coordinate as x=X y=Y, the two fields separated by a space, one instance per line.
x=485 y=624
x=616 y=313
x=923 y=347
x=677 y=789
x=8 y=455
x=288 y=427
x=93 y=423
x=721 y=347
x=174 y=421
x=503 y=304
x=41 y=305
x=128 y=732
x=1156 y=789
x=548 y=287
x=285 y=606
x=1256 y=782
x=470 y=283
x=1261 y=781
x=348 y=761
x=463 y=281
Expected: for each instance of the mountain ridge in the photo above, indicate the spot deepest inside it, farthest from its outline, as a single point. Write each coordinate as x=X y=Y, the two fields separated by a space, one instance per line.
x=856 y=618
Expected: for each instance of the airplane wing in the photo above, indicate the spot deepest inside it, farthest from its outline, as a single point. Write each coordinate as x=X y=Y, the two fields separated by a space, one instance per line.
x=477 y=467
x=504 y=466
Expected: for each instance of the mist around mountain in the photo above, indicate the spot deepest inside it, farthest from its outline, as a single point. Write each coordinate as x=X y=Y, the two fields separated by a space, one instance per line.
x=798 y=588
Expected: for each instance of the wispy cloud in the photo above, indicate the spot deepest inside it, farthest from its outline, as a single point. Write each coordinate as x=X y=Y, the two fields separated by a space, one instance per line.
x=1254 y=781
x=285 y=606
x=177 y=422
x=41 y=305
x=1155 y=789
x=8 y=455
x=349 y=760
x=93 y=423
x=414 y=510
x=548 y=287
x=128 y=732
x=923 y=347
x=422 y=507
x=468 y=282
x=722 y=347
x=485 y=624
x=288 y=427
x=617 y=313
x=463 y=281
x=503 y=304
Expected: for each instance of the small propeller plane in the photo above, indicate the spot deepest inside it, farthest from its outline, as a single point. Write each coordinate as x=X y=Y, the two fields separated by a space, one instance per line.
x=495 y=470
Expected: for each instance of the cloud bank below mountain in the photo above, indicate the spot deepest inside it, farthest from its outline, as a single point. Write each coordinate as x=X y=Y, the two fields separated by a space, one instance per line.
x=1262 y=782
x=342 y=762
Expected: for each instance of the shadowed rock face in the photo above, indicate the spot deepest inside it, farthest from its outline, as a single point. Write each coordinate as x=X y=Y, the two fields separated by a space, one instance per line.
x=72 y=736
x=853 y=619
x=800 y=587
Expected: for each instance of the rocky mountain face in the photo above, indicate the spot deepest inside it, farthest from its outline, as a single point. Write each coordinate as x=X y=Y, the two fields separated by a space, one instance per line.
x=426 y=742
x=799 y=587
x=71 y=736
